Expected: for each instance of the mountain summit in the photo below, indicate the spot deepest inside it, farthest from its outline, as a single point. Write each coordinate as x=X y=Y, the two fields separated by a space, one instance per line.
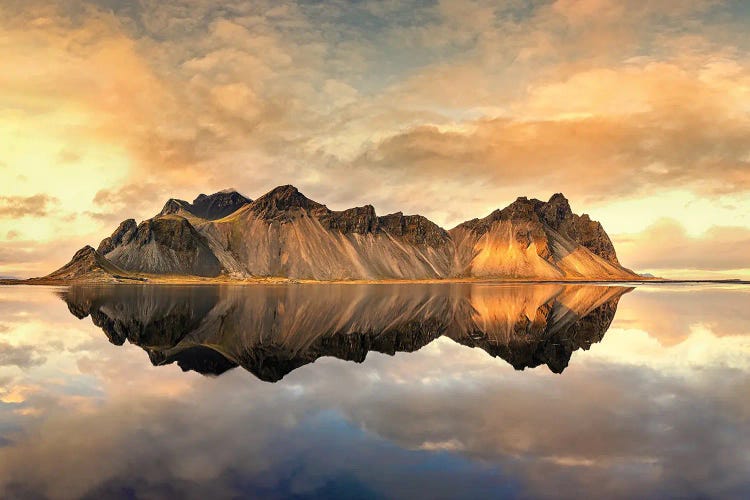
x=209 y=207
x=285 y=234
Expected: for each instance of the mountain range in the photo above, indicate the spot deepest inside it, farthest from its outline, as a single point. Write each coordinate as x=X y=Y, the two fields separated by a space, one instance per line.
x=285 y=234
x=273 y=330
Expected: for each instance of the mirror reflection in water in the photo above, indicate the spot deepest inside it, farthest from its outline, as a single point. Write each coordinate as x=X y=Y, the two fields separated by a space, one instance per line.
x=271 y=331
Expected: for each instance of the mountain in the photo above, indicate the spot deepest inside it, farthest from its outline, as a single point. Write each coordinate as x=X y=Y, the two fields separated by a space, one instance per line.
x=209 y=207
x=87 y=265
x=271 y=331
x=534 y=239
x=167 y=244
x=285 y=234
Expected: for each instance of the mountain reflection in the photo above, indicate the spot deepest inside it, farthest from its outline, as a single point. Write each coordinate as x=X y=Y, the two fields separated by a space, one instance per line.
x=272 y=330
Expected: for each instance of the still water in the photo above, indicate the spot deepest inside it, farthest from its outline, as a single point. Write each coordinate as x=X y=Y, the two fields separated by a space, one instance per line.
x=375 y=391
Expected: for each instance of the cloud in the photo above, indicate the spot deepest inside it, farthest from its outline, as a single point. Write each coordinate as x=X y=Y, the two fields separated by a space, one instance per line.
x=26 y=206
x=131 y=198
x=669 y=315
x=392 y=423
x=449 y=109
x=22 y=356
x=29 y=258
x=667 y=245
x=600 y=133
x=444 y=396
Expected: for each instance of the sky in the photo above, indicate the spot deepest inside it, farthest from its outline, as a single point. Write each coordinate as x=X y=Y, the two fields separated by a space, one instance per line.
x=638 y=111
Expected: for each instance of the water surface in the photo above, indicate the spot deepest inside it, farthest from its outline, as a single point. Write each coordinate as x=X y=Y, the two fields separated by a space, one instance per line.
x=373 y=391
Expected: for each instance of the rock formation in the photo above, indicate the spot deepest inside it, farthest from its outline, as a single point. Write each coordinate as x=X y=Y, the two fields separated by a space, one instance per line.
x=167 y=244
x=209 y=207
x=87 y=265
x=536 y=240
x=285 y=234
x=271 y=331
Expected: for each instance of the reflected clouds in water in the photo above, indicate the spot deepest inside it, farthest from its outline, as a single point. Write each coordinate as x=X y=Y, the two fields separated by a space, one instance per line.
x=422 y=415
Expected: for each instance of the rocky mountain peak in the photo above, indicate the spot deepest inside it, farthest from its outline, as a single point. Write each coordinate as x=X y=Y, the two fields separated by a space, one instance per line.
x=122 y=235
x=210 y=207
x=415 y=229
x=522 y=208
x=541 y=218
x=87 y=263
x=86 y=252
x=281 y=199
x=285 y=194
x=218 y=205
x=556 y=210
x=361 y=220
x=173 y=206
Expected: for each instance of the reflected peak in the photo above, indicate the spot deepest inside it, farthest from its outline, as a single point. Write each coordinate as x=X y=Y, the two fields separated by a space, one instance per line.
x=271 y=331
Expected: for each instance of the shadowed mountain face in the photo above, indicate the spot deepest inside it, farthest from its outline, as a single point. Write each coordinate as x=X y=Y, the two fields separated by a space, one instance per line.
x=209 y=207
x=285 y=234
x=272 y=330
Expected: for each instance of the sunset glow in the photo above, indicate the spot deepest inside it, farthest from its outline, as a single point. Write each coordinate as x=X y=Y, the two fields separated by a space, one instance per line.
x=639 y=112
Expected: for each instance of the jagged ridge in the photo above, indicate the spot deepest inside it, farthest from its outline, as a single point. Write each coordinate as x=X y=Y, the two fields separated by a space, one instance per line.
x=209 y=207
x=87 y=264
x=283 y=233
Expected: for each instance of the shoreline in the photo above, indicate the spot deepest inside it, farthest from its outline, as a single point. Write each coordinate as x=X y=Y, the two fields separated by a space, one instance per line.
x=190 y=281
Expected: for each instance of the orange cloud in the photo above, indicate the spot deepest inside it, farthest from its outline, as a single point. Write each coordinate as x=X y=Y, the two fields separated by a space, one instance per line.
x=667 y=245
x=26 y=206
x=487 y=101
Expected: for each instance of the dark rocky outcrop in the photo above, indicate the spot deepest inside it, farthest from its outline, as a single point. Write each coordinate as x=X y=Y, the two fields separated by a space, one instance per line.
x=415 y=229
x=284 y=202
x=166 y=244
x=359 y=220
x=209 y=207
x=218 y=205
x=123 y=235
x=87 y=265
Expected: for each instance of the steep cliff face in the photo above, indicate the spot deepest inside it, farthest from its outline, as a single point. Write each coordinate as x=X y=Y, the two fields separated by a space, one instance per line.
x=556 y=213
x=166 y=244
x=87 y=265
x=124 y=233
x=531 y=239
x=283 y=233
